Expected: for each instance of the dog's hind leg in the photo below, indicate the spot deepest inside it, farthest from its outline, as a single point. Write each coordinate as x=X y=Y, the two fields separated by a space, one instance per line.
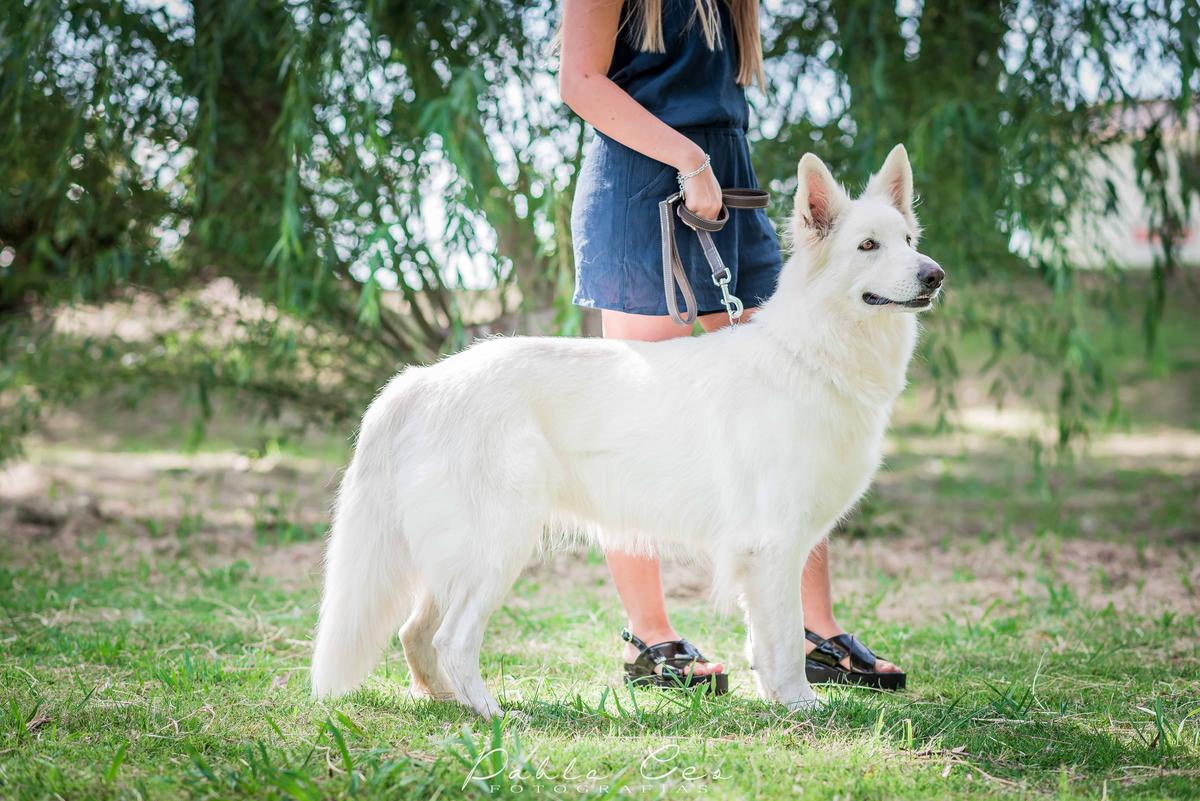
x=417 y=637
x=770 y=587
x=459 y=639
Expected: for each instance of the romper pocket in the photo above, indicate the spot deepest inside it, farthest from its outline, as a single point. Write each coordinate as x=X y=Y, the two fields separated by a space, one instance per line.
x=654 y=180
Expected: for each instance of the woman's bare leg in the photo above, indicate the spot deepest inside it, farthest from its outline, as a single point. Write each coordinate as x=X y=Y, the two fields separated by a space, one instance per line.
x=639 y=578
x=817 y=597
x=639 y=583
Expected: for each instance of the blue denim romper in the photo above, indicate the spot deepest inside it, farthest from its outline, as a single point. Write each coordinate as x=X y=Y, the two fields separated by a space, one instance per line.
x=614 y=221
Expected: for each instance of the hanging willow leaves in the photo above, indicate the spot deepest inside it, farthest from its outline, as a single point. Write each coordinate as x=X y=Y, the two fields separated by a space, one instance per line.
x=302 y=196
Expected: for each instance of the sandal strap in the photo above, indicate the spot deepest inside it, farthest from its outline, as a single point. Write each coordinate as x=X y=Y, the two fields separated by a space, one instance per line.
x=862 y=658
x=824 y=651
x=629 y=637
x=673 y=655
x=832 y=650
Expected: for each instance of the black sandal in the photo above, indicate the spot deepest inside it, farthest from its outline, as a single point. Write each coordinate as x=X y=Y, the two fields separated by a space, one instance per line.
x=675 y=658
x=824 y=664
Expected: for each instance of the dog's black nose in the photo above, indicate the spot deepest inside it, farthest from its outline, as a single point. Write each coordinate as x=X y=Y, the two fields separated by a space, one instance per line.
x=930 y=274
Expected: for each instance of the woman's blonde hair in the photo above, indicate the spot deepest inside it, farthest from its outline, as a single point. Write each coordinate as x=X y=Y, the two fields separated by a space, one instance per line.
x=647 y=17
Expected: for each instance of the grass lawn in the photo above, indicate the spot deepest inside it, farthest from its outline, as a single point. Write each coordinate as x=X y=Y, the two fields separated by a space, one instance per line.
x=156 y=609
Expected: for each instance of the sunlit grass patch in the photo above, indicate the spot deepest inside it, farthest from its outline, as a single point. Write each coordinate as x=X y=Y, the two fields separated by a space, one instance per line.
x=194 y=685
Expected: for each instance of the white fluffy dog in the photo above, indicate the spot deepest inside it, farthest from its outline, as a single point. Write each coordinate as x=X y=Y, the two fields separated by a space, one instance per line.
x=748 y=444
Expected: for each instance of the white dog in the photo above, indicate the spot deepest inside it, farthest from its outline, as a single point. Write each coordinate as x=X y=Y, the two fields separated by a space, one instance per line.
x=749 y=443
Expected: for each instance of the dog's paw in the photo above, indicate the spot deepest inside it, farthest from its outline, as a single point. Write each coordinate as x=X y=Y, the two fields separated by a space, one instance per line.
x=486 y=708
x=420 y=692
x=805 y=703
x=516 y=716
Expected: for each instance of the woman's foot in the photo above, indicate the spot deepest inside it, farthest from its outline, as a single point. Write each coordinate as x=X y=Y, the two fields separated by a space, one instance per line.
x=837 y=657
x=830 y=628
x=705 y=668
x=667 y=634
x=825 y=629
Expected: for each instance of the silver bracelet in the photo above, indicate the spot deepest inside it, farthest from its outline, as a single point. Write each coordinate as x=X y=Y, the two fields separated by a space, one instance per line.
x=683 y=177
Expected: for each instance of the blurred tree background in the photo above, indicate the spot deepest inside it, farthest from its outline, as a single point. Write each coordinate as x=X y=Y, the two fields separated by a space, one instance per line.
x=293 y=199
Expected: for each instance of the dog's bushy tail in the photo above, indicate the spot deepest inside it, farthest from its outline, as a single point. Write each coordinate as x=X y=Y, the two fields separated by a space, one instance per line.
x=366 y=595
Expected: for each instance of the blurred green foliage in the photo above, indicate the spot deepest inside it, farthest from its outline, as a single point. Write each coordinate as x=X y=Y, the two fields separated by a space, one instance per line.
x=380 y=181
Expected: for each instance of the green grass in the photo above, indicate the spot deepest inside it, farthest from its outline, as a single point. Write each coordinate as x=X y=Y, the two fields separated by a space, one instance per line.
x=128 y=675
x=1048 y=616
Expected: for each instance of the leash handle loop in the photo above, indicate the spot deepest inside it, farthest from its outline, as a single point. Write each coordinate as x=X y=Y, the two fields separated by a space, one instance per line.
x=672 y=269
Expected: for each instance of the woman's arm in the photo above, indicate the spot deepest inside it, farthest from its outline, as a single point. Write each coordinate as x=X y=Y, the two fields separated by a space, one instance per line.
x=589 y=34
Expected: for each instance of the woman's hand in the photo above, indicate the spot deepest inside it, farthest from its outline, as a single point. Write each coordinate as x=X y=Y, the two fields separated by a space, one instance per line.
x=702 y=194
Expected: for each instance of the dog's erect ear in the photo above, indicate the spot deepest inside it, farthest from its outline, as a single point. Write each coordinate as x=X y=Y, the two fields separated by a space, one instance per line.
x=819 y=198
x=894 y=183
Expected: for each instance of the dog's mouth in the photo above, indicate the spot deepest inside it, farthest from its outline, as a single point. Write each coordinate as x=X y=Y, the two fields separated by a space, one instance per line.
x=919 y=302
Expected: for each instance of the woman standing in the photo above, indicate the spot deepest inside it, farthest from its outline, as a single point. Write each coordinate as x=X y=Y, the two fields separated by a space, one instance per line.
x=662 y=82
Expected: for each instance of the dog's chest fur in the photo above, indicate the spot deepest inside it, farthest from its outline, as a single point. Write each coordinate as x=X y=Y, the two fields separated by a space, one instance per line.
x=826 y=421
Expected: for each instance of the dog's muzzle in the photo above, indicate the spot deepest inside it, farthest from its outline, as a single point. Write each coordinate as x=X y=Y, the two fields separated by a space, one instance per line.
x=930 y=276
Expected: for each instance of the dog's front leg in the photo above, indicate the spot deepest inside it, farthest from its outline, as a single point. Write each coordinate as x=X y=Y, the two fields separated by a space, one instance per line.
x=770 y=591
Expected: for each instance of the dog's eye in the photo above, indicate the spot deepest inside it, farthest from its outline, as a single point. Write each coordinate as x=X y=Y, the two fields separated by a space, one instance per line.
x=908 y=238
x=868 y=244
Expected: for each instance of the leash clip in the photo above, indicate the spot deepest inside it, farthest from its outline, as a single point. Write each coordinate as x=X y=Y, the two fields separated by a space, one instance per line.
x=733 y=304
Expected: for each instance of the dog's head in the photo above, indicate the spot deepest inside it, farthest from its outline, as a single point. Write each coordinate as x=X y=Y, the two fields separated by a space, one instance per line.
x=869 y=244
